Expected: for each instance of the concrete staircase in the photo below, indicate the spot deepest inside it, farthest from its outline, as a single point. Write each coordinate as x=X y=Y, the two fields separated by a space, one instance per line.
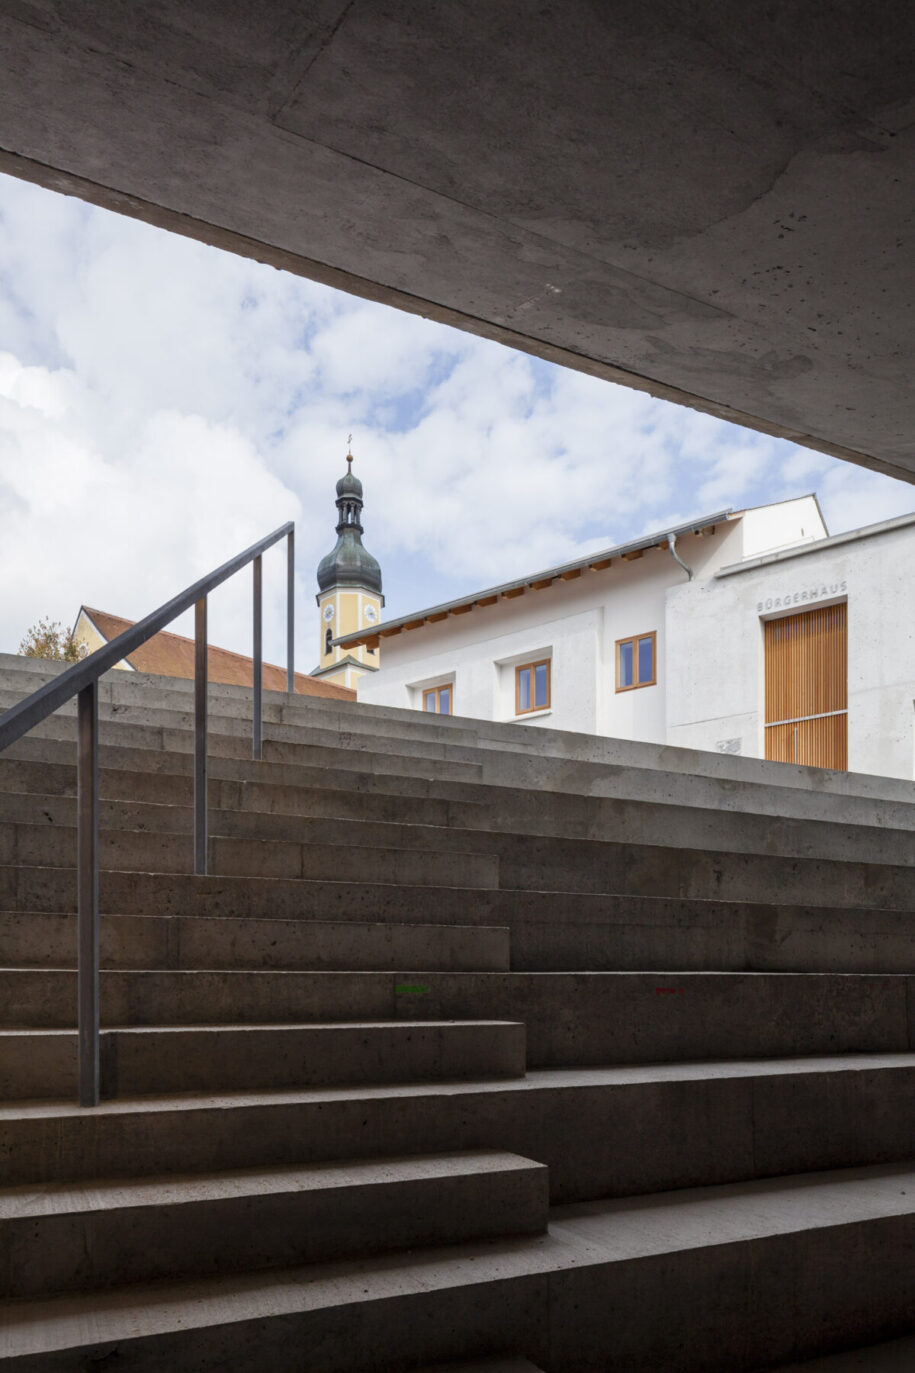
x=590 y=1056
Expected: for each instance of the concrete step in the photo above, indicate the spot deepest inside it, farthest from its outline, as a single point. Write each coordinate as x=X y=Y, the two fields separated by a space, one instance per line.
x=474 y=858
x=334 y=816
x=572 y=1019
x=231 y=1057
x=890 y=1356
x=503 y=763
x=548 y=930
x=495 y=1363
x=620 y=804
x=711 y=1279
x=53 y=889
x=81 y=1236
x=136 y=747
x=178 y=716
x=138 y=850
x=623 y=1131
x=164 y=802
x=541 y=932
x=123 y=740
x=152 y=775
x=810 y=795
x=506 y=737
x=37 y=939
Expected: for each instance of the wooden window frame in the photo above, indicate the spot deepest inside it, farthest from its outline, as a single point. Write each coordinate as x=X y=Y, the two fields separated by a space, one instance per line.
x=436 y=692
x=634 y=640
x=522 y=667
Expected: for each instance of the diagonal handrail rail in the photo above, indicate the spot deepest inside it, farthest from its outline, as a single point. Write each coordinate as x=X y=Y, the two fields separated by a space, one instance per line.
x=81 y=680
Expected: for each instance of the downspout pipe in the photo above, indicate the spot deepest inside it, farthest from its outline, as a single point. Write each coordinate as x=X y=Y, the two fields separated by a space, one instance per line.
x=672 y=545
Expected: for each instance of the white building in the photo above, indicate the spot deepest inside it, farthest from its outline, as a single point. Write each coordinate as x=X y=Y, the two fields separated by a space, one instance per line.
x=748 y=632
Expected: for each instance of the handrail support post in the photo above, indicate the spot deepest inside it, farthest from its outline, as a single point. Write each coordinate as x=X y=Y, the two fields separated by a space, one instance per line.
x=290 y=612
x=257 y=740
x=87 y=894
x=200 y=737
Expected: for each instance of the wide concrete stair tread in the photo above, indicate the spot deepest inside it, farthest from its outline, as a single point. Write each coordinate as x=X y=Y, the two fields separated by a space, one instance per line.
x=633 y=802
x=654 y=1121
x=163 y=1058
x=444 y=973
x=630 y=803
x=890 y=1356
x=570 y=1018
x=139 y=851
x=24 y=675
x=518 y=863
x=496 y=1363
x=35 y=938
x=476 y=826
x=119 y=745
x=846 y=796
x=539 y=1289
x=553 y=930
x=70 y=1236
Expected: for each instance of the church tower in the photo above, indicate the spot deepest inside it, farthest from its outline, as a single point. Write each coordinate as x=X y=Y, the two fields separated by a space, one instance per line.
x=349 y=590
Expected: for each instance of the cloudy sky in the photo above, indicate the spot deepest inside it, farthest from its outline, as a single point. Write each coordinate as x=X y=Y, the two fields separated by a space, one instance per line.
x=163 y=404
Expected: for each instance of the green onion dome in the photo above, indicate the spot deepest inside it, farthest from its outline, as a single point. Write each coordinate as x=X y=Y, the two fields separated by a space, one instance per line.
x=349 y=563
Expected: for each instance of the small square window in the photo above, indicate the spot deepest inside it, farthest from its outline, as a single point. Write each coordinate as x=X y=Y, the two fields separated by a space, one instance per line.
x=532 y=687
x=438 y=700
x=636 y=661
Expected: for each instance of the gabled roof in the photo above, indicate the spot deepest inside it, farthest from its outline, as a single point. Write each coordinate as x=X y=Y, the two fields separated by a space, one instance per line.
x=348 y=660
x=172 y=655
x=566 y=572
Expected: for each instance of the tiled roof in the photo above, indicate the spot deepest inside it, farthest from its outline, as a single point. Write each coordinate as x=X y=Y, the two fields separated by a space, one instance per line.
x=172 y=655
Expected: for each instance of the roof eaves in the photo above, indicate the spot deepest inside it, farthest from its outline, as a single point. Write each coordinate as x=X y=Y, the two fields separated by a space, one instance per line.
x=348 y=660
x=564 y=571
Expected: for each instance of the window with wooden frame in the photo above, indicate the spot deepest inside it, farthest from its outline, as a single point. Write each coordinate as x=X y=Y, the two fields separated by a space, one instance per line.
x=532 y=687
x=439 y=700
x=637 y=661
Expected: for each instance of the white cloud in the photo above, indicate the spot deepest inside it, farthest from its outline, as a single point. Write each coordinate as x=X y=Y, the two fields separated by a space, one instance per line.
x=163 y=404
x=124 y=535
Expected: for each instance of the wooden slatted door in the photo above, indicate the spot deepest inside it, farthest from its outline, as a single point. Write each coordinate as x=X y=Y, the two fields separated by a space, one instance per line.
x=807 y=688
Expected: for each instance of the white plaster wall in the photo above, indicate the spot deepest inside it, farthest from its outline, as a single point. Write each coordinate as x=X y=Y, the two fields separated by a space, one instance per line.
x=771 y=527
x=575 y=624
x=480 y=661
x=714 y=633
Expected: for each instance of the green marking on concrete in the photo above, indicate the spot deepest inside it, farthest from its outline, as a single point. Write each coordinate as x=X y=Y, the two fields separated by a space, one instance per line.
x=411 y=989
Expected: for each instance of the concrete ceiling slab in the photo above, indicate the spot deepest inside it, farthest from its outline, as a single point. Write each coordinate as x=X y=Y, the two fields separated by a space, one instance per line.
x=709 y=201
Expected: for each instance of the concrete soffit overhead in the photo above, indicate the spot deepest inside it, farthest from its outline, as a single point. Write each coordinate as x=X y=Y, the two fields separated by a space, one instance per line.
x=656 y=196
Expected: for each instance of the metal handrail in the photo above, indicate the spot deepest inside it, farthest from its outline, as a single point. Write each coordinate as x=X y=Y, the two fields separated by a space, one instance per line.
x=81 y=680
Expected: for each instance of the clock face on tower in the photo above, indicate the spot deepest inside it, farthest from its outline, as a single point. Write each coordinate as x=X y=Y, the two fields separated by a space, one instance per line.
x=328 y=612
x=371 y=614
